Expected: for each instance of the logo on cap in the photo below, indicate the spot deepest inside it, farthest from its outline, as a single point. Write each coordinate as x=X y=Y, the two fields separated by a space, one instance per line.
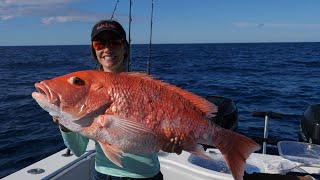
x=106 y=25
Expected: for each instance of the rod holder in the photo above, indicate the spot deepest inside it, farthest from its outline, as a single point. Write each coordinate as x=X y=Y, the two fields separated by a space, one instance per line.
x=265 y=134
x=67 y=154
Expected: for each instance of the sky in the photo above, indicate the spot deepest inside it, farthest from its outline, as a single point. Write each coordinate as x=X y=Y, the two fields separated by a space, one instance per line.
x=69 y=22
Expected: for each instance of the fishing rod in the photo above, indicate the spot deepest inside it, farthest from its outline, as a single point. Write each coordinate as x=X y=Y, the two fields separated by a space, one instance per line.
x=128 y=63
x=129 y=53
x=150 y=43
x=129 y=36
x=114 y=9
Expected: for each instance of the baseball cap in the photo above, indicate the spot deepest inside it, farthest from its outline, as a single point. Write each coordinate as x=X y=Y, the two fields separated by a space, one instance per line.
x=108 y=25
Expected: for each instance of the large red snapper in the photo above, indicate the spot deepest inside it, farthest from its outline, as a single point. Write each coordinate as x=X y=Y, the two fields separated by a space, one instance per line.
x=134 y=113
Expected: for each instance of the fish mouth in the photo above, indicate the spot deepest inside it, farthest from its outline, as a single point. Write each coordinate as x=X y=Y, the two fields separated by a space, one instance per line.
x=45 y=93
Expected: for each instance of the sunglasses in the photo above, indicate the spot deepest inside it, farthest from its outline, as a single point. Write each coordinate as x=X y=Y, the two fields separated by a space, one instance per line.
x=101 y=44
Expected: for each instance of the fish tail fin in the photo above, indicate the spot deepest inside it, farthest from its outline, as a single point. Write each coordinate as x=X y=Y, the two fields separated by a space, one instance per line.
x=235 y=148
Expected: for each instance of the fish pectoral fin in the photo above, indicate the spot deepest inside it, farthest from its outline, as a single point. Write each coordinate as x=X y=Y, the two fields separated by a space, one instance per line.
x=113 y=154
x=121 y=126
x=197 y=150
x=89 y=116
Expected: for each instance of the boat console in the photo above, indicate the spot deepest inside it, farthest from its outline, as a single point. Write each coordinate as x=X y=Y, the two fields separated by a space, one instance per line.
x=227 y=116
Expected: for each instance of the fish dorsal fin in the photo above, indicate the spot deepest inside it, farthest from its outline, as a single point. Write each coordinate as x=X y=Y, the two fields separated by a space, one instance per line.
x=208 y=108
x=140 y=74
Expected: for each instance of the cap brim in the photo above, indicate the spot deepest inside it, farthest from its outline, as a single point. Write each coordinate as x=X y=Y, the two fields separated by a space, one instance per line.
x=106 y=29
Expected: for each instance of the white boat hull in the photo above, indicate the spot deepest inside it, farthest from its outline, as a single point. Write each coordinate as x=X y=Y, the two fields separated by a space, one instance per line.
x=185 y=166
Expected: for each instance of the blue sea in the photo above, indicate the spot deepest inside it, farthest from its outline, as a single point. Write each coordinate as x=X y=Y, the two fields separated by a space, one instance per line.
x=278 y=77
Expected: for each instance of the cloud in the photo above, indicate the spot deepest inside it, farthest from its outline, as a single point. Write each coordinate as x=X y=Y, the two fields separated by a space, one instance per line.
x=47 y=11
x=71 y=18
x=275 y=25
x=3 y=17
x=10 y=3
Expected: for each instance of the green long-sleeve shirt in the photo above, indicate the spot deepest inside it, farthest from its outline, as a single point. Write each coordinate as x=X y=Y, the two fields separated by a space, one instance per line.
x=134 y=165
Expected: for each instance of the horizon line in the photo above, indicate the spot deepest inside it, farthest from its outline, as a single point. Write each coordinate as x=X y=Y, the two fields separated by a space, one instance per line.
x=171 y=43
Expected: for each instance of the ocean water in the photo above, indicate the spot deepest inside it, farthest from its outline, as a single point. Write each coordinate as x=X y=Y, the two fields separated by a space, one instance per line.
x=278 y=77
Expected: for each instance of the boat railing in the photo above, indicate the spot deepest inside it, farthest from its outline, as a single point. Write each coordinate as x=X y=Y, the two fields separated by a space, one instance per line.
x=267 y=116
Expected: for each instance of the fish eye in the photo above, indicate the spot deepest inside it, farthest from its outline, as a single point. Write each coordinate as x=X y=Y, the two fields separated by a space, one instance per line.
x=76 y=81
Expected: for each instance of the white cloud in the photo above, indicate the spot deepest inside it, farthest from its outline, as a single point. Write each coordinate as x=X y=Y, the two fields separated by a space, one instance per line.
x=64 y=19
x=8 y=3
x=275 y=25
x=3 y=17
x=47 y=11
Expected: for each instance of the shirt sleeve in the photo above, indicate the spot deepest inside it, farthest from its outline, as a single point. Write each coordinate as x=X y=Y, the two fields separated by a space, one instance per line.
x=75 y=142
